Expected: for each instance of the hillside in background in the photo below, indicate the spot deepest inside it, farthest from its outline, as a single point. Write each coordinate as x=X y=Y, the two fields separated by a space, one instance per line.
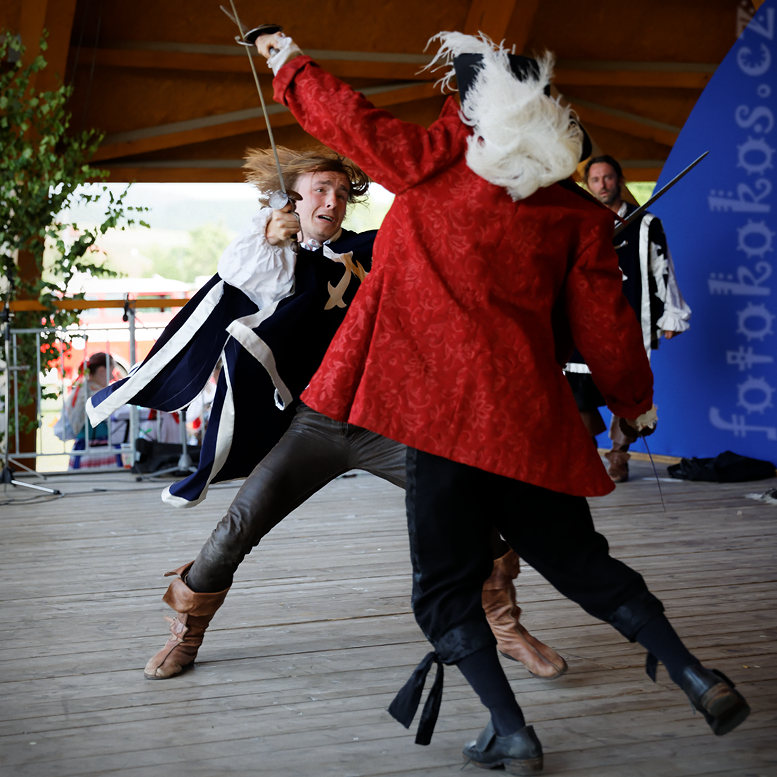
x=191 y=224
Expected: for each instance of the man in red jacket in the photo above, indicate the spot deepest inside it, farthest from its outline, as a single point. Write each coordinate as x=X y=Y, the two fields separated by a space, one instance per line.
x=297 y=451
x=486 y=267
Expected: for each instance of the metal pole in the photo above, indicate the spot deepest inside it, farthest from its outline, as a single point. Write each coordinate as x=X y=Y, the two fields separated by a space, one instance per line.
x=7 y=477
x=134 y=424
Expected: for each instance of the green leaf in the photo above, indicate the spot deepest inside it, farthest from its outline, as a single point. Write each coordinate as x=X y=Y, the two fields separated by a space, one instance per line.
x=42 y=164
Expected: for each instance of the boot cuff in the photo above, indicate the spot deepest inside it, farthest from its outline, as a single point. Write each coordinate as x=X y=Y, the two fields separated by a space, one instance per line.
x=182 y=599
x=632 y=615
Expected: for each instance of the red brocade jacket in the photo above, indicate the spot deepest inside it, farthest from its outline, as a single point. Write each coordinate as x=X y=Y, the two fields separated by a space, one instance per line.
x=454 y=342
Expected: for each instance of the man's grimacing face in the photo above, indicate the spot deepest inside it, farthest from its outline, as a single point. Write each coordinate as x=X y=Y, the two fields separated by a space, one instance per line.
x=603 y=183
x=324 y=201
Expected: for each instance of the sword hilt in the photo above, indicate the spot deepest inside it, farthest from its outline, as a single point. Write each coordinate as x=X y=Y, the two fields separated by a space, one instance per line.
x=280 y=199
x=249 y=38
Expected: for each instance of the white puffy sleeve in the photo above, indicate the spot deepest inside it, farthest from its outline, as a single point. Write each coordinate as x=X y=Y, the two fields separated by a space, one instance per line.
x=263 y=272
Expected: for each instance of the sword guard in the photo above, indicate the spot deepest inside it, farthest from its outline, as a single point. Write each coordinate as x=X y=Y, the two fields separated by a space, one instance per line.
x=279 y=199
x=249 y=39
x=641 y=426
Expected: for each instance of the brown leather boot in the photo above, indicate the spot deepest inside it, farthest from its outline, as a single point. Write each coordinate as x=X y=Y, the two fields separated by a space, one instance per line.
x=503 y=613
x=619 y=466
x=193 y=613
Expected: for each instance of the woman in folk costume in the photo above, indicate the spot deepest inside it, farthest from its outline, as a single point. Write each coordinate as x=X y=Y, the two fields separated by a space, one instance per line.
x=270 y=313
x=488 y=266
x=98 y=436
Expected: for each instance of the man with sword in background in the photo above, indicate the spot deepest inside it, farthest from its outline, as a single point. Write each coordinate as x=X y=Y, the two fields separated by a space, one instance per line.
x=650 y=286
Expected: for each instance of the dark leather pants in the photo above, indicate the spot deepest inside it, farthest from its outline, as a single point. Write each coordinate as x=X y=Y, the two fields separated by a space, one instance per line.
x=313 y=452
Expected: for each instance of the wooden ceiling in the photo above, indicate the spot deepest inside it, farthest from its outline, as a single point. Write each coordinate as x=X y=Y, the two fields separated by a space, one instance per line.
x=177 y=102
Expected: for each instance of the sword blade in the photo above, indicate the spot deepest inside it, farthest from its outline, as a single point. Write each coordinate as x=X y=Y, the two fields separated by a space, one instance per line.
x=655 y=474
x=229 y=16
x=236 y=19
x=663 y=190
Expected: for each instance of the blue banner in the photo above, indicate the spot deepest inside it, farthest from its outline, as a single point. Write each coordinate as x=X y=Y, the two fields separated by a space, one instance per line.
x=716 y=384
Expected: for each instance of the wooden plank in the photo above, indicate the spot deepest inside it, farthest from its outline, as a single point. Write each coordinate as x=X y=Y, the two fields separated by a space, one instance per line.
x=83 y=304
x=316 y=637
x=205 y=128
x=624 y=121
x=609 y=73
x=55 y=18
x=492 y=17
x=370 y=65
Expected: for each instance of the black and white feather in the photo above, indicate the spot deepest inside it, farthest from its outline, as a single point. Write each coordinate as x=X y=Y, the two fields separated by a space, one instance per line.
x=522 y=138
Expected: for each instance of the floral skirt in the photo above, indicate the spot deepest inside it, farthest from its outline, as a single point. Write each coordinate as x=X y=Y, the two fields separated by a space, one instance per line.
x=95 y=458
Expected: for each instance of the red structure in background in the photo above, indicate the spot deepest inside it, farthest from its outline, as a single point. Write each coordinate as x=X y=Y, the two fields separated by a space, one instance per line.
x=105 y=327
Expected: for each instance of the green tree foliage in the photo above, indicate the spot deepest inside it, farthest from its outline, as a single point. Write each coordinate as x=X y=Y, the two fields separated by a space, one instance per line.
x=42 y=164
x=196 y=259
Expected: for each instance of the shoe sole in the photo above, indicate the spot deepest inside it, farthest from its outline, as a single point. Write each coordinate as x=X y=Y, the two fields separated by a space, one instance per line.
x=523 y=766
x=724 y=708
x=553 y=676
x=181 y=671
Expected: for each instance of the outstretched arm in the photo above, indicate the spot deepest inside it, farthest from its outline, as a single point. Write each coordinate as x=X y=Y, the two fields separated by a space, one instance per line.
x=396 y=154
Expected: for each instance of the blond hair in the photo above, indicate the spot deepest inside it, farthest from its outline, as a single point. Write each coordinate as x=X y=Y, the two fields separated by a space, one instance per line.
x=262 y=172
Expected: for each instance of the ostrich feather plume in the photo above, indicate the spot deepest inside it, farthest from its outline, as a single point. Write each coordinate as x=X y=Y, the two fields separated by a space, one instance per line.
x=522 y=138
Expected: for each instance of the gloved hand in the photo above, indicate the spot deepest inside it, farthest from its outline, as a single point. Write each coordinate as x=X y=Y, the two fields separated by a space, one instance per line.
x=642 y=425
x=277 y=49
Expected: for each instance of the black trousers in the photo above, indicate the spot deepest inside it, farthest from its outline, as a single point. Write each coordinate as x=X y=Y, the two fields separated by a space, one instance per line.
x=452 y=510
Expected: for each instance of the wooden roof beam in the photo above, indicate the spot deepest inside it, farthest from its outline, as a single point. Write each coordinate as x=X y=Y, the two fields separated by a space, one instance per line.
x=181 y=133
x=177 y=171
x=346 y=64
x=493 y=18
x=57 y=18
x=204 y=128
x=231 y=59
x=623 y=121
x=675 y=75
x=641 y=169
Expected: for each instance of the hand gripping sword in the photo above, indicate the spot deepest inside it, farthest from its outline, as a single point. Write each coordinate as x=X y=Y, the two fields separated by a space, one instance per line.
x=663 y=190
x=277 y=199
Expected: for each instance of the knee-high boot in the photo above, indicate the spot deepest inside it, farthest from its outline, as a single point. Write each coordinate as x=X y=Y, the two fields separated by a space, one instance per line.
x=193 y=614
x=503 y=613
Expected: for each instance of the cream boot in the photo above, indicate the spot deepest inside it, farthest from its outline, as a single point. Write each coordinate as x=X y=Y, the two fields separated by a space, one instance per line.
x=503 y=613
x=193 y=613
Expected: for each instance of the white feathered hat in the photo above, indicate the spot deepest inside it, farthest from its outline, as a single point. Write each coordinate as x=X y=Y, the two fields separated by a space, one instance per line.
x=523 y=139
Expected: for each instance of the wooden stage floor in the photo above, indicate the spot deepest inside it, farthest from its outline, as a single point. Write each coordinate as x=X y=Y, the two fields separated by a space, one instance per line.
x=316 y=636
